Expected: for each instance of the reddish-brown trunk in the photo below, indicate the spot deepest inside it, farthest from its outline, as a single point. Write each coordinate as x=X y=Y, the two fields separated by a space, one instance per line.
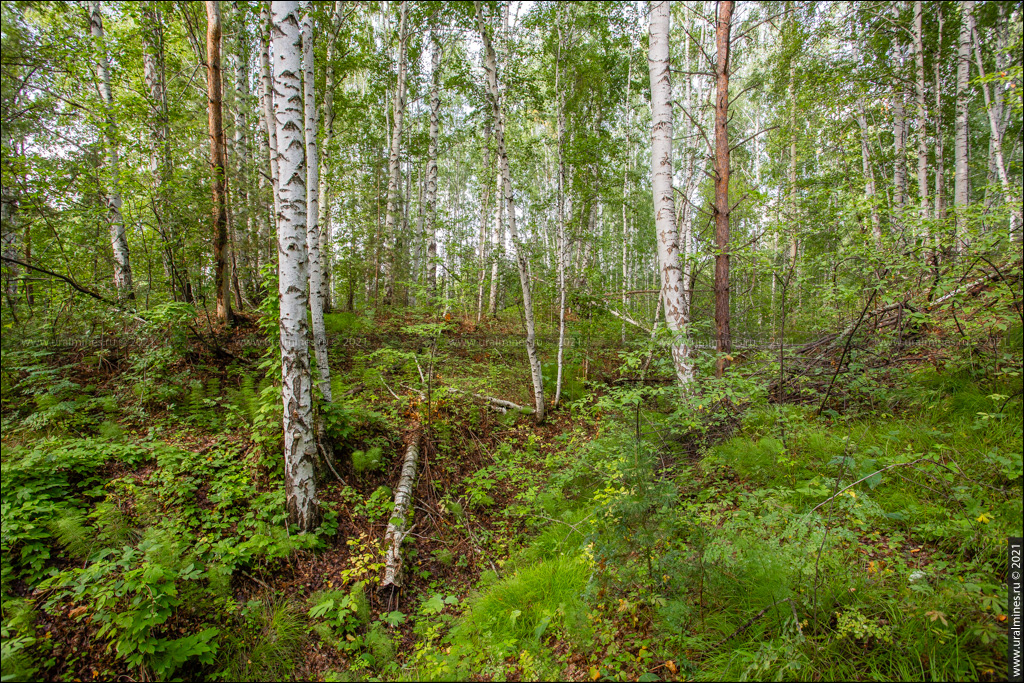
x=217 y=161
x=722 y=30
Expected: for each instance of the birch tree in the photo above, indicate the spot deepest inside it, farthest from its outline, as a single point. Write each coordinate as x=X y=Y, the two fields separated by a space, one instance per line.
x=316 y=302
x=388 y=260
x=430 y=200
x=672 y=290
x=961 y=174
x=112 y=164
x=491 y=69
x=326 y=223
x=296 y=390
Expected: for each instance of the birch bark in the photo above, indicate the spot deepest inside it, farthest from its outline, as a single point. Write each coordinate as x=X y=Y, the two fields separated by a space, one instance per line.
x=672 y=290
x=431 y=193
x=316 y=306
x=326 y=222
x=299 y=441
x=112 y=198
x=388 y=261
x=961 y=174
x=491 y=69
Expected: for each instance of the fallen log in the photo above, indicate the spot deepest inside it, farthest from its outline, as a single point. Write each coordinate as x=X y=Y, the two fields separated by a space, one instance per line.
x=497 y=402
x=396 y=531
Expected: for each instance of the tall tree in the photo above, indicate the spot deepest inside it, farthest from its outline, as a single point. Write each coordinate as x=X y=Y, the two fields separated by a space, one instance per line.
x=961 y=173
x=326 y=223
x=723 y=28
x=112 y=197
x=389 y=259
x=672 y=290
x=159 y=133
x=218 y=161
x=491 y=69
x=430 y=222
x=316 y=302
x=296 y=390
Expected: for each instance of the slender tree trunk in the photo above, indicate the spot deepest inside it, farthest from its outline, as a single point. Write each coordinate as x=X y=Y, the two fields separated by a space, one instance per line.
x=159 y=152
x=940 y=164
x=961 y=177
x=313 y=209
x=560 y=235
x=242 y=223
x=431 y=194
x=793 y=239
x=218 y=164
x=994 y=108
x=497 y=240
x=491 y=69
x=326 y=222
x=296 y=390
x=722 y=31
x=869 y=175
x=485 y=215
x=672 y=289
x=899 y=132
x=118 y=235
x=388 y=262
x=269 y=108
x=922 y=118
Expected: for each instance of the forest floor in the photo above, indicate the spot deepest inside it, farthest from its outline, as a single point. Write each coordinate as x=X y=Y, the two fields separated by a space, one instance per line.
x=634 y=535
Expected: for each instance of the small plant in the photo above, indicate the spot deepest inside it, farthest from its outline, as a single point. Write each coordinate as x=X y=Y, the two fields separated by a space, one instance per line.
x=369 y=460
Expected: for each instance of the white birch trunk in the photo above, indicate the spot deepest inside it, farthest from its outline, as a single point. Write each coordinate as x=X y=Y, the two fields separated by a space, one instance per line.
x=112 y=198
x=940 y=164
x=560 y=235
x=994 y=108
x=510 y=205
x=388 y=260
x=672 y=289
x=431 y=193
x=269 y=107
x=922 y=117
x=316 y=305
x=296 y=391
x=497 y=240
x=899 y=132
x=961 y=177
x=326 y=223
x=485 y=215
x=869 y=175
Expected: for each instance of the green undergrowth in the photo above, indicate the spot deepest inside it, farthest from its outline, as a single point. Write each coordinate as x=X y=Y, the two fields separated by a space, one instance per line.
x=869 y=546
x=132 y=554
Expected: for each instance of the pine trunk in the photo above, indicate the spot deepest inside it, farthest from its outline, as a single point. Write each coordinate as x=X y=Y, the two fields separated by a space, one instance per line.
x=722 y=31
x=218 y=164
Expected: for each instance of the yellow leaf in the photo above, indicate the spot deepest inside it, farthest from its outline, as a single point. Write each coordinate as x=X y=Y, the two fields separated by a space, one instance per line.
x=594 y=673
x=671 y=666
x=984 y=517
